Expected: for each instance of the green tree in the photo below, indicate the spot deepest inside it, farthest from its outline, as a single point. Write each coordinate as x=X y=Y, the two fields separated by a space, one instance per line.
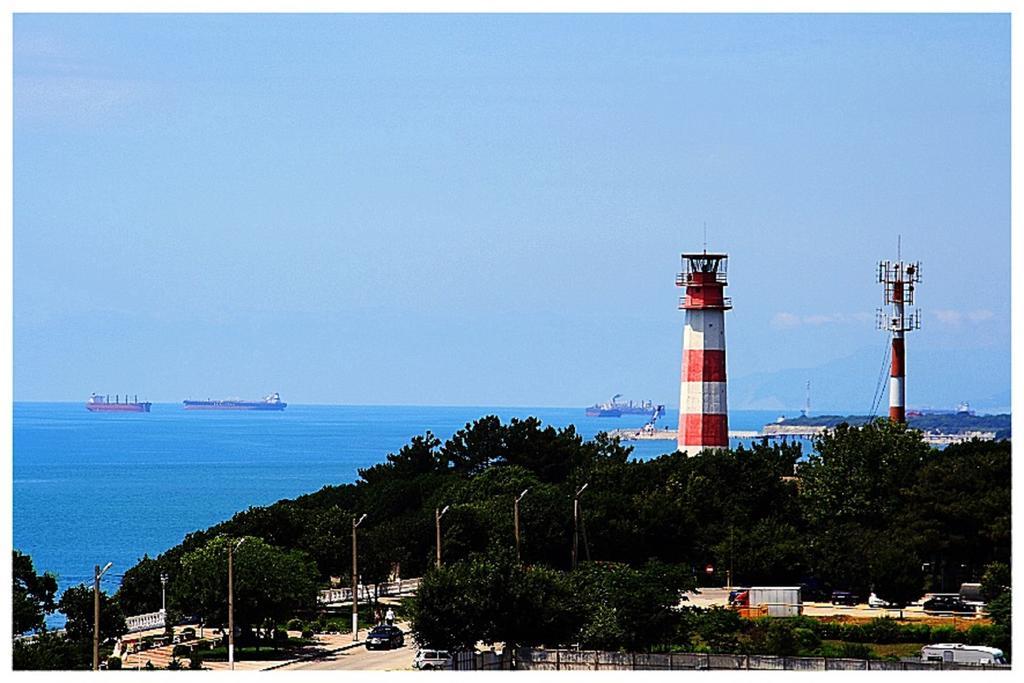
x=51 y=651
x=896 y=571
x=622 y=607
x=140 y=591
x=77 y=604
x=958 y=507
x=32 y=595
x=491 y=597
x=995 y=581
x=270 y=584
x=852 y=487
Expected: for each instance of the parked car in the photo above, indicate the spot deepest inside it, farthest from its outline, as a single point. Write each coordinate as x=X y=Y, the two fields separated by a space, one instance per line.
x=959 y=653
x=947 y=604
x=844 y=598
x=385 y=638
x=876 y=602
x=426 y=660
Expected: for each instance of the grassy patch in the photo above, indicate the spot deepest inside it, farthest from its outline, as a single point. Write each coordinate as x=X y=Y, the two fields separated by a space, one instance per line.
x=250 y=653
x=882 y=650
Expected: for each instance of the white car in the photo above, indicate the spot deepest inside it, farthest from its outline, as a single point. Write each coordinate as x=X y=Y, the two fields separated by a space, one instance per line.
x=877 y=602
x=426 y=660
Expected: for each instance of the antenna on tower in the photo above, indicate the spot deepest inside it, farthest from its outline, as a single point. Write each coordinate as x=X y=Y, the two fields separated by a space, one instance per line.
x=705 y=237
x=807 y=401
x=899 y=247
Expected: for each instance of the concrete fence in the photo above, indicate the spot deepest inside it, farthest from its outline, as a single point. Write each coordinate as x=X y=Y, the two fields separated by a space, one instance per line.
x=530 y=659
x=366 y=592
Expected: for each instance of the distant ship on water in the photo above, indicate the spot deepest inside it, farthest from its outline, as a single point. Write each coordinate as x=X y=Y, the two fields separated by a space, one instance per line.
x=102 y=404
x=615 y=409
x=272 y=402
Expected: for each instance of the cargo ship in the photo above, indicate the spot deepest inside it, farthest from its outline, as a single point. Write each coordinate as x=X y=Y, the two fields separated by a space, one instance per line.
x=615 y=409
x=102 y=404
x=272 y=402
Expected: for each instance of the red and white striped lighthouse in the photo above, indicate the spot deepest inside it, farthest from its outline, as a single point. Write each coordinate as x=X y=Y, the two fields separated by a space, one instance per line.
x=703 y=411
x=898 y=278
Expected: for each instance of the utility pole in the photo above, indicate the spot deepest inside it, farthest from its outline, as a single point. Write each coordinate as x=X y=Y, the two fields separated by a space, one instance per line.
x=438 y=514
x=728 y=572
x=163 y=593
x=576 y=524
x=355 y=580
x=98 y=574
x=231 y=603
x=519 y=557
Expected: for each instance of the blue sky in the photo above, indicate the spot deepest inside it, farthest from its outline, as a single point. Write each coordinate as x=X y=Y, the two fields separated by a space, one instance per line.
x=488 y=210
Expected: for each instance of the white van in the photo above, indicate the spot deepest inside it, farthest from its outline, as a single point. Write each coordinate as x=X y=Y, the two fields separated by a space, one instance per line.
x=958 y=653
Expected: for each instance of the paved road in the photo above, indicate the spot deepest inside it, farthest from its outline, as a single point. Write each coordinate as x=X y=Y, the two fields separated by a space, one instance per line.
x=361 y=659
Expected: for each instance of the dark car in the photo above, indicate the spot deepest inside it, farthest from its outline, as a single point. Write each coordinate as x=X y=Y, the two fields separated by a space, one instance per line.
x=947 y=604
x=844 y=598
x=385 y=638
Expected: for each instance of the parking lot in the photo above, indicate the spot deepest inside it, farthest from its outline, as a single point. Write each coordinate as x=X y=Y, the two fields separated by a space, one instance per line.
x=709 y=597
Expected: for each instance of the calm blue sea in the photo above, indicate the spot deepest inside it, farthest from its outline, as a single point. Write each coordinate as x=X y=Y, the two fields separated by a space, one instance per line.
x=91 y=488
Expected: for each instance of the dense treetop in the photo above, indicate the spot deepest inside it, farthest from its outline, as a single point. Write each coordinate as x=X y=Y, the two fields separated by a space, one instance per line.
x=772 y=514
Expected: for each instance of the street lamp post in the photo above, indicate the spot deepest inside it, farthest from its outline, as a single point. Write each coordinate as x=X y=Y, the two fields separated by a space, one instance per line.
x=576 y=524
x=98 y=574
x=519 y=557
x=355 y=581
x=231 y=603
x=163 y=593
x=438 y=514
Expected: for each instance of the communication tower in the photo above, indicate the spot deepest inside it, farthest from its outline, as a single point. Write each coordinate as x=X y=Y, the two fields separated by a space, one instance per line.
x=898 y=279
x=703 y=410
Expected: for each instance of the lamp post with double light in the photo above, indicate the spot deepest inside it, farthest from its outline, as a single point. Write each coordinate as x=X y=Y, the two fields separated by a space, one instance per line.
x=519 y=557
x=97 y=575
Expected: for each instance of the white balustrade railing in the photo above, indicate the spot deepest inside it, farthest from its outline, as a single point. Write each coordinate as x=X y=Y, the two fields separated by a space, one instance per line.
x=366 y=592
x=144 y=622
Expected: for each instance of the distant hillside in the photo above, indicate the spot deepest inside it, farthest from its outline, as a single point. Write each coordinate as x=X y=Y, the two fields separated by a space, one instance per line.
x=945 y=424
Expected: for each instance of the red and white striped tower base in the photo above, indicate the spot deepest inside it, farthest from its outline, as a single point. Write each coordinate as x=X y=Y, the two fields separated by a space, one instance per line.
x=703 y=410
x=899 y=279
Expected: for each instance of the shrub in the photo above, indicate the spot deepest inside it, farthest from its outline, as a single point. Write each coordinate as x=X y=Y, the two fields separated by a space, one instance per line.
x=780 y=639
x=295 y=624
x=882 y=630
x=945 y=634
x=195 y=660
x=916 y=633
x=806 y=639
x=334 y=627
x=114 y=663
x=856 y=651
x=307 y=633
x=979 y=635
x=174 y=665
x=181 y=651
x=188 y=633
x=280 y=635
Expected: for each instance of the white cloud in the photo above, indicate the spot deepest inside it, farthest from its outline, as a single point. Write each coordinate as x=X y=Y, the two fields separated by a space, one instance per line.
x=954 y=318
x=74 y=96
x=948 y=316
x=980 y=314
x=787 y=320
x=783 y=320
